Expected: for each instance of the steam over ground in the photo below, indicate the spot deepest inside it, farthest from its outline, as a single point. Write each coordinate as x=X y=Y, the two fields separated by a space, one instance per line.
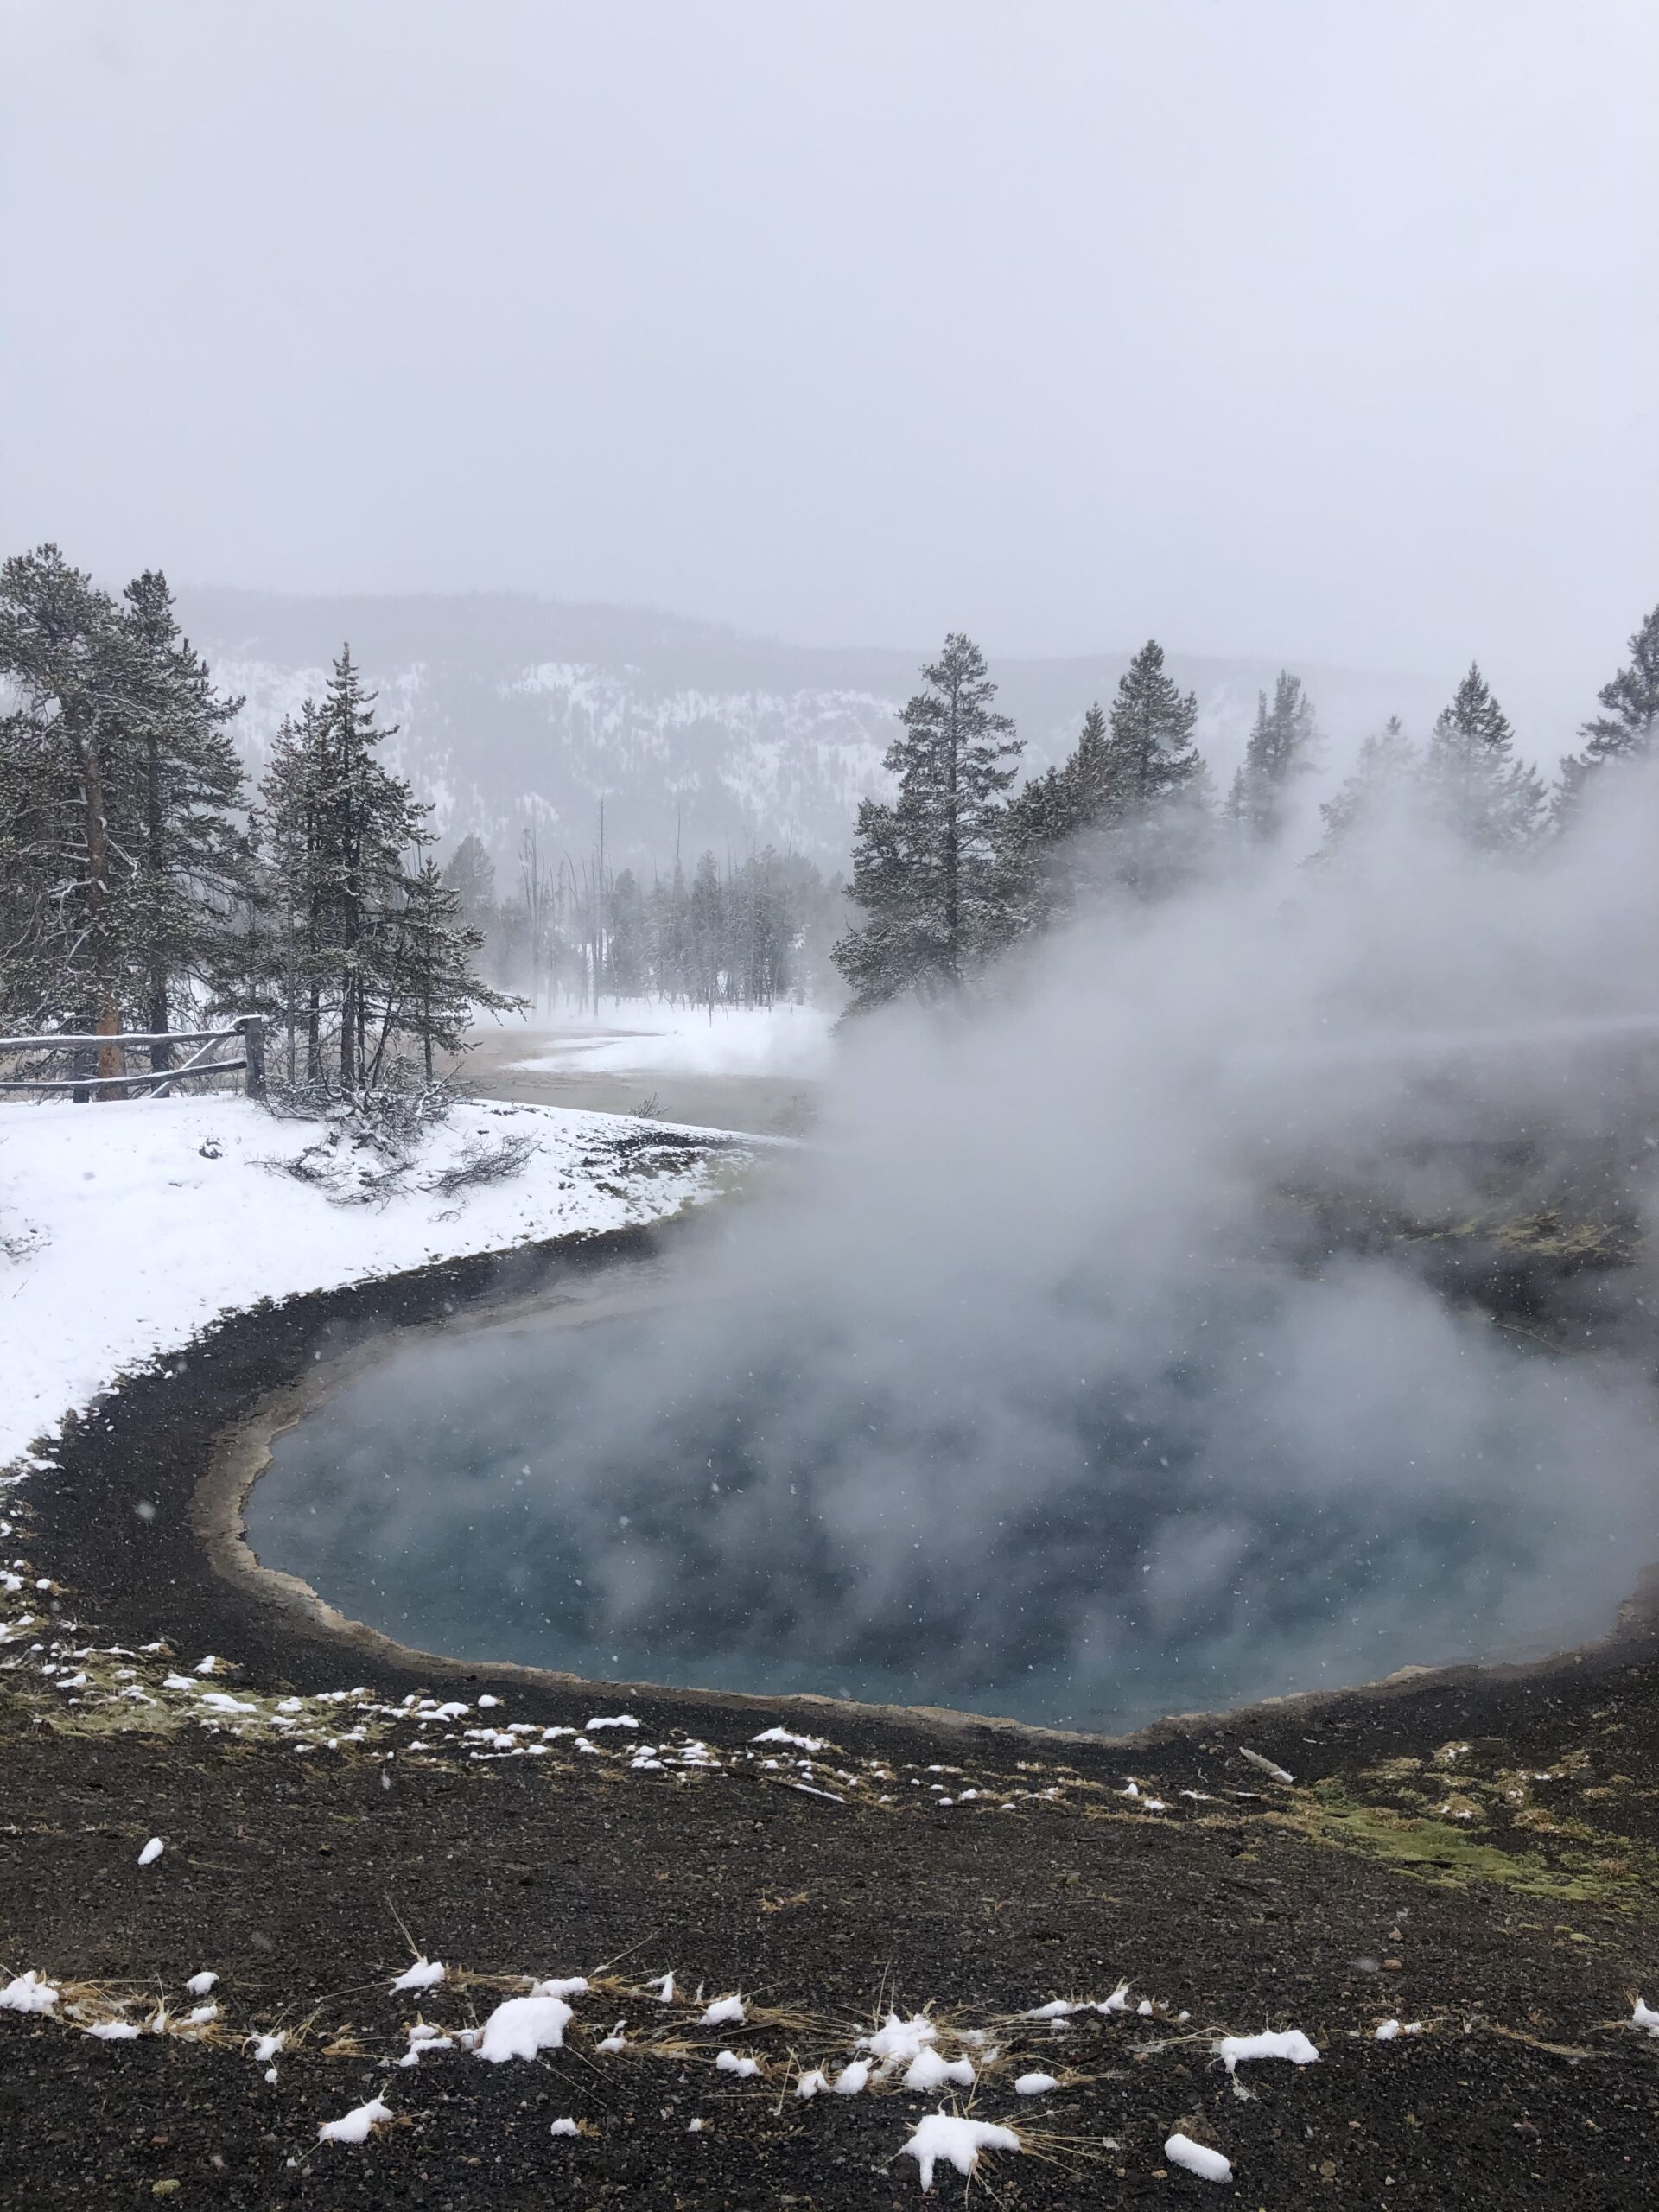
x=1098 y=1358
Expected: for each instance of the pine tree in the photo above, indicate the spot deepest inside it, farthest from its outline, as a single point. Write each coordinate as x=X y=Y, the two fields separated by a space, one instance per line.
x=191 y=854
x=1471 y=782
x=69 y=801
x=1149 y=755
x=471 y=874
x=1282 y=746
x=370 y=817
x=1629 y=730
x=927 y=868
x=338 y=824
x=1154 y=778
x=705 y=933
x=1051 y=859
x=1380 y=786
x=627 y=968
x=435 y=986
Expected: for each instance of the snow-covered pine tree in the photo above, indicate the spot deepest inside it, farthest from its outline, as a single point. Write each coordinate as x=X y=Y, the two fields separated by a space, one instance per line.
x=369 y=819
x=122 y=849
x=436 y=987
x=1471 y=782
x=338 y=824
x=1380 y=786
x=191 y=850
x=70 y=803
x=1282 y=746
x=1154 y=778
x=1051 y=860
x=927 y=869
x=288 y=834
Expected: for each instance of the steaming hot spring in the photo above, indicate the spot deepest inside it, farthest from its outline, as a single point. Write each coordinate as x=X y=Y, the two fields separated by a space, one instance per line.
x=1250 y=1482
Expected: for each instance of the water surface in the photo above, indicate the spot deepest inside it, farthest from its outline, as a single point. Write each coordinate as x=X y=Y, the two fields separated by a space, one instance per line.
x=742 y=1501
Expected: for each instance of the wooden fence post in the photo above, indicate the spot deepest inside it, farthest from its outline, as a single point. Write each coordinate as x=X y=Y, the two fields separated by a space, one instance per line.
x=253 y=1042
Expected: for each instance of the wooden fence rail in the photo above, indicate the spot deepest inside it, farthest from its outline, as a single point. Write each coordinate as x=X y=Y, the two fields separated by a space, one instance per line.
x=248 y=1032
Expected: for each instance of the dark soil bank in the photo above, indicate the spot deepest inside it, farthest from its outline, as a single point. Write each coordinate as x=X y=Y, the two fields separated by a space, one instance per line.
x=1473 y=1851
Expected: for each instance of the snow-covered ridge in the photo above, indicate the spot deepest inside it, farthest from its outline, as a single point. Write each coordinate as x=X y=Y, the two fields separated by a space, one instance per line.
x=126 y=1229
x=513 y=710
x=737 y=769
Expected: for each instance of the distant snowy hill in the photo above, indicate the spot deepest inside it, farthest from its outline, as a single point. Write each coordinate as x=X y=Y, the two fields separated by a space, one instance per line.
x=512 y=709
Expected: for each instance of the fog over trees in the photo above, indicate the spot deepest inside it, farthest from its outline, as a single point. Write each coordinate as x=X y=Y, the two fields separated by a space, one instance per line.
x=956 y=868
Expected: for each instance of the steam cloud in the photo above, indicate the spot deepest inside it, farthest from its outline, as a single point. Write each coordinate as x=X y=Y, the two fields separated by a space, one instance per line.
x=1079 y=1368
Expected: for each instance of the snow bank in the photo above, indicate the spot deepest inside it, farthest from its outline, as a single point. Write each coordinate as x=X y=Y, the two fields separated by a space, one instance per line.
x=642 y=1039
x=156 y=1216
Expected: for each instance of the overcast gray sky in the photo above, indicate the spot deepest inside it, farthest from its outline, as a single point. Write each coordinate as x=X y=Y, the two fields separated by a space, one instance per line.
x=1324 y=328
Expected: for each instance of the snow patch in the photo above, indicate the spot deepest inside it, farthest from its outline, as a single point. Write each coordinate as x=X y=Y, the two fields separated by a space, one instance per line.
x=355 y=2126
x=931 y=2070
x=958 y=2142
x=27 y=1992
x=425 y=1973
x=1198 y=2158
x=521 y=2027
x=1291 y=2043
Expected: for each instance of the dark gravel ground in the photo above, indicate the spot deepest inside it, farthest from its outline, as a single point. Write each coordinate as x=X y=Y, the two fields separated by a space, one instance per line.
x=1519 y=1935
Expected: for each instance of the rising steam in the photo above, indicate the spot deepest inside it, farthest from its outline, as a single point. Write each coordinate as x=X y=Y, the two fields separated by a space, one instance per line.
x=1105 y=1353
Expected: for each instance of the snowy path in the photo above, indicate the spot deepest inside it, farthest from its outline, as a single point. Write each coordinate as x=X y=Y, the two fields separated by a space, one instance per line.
x=125 y=1229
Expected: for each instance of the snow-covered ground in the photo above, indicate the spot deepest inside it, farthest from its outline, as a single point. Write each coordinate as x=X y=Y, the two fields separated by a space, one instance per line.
x=643 y=1037
x=125 y=1229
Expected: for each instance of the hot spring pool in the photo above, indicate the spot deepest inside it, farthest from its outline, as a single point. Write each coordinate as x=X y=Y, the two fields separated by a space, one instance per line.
x=740 y=1500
